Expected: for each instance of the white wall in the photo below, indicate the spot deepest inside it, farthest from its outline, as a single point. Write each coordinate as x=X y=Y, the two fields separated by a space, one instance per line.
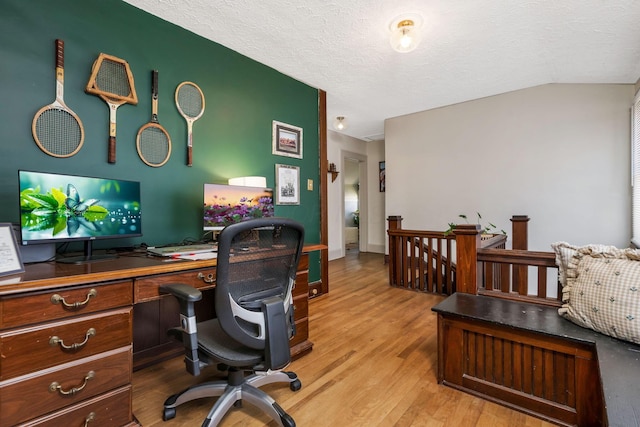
x=558 y=153
x=377 y=221
x=375 y=227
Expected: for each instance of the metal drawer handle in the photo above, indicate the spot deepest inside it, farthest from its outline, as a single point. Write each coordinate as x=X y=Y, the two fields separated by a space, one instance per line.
x=90 y=417
x=58 y=341
x=55 y=386
x=208 y=278
x=57 y=299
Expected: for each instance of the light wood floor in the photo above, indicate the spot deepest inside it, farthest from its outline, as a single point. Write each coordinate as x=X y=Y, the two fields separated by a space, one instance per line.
x=373 y=364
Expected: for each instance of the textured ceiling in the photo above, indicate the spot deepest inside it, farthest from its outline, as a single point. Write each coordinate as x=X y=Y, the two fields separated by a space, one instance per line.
x=470 y=48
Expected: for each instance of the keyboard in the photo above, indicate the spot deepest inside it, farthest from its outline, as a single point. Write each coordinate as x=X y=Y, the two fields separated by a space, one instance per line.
x=182 y=249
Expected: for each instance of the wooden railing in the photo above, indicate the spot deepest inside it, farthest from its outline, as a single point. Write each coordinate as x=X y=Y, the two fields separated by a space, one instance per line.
x=516 y=274
x=424 y=260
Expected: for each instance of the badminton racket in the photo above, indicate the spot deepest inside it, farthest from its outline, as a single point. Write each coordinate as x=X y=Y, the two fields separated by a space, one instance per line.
x=190 y=103
x=111 y=79
x=56 y=129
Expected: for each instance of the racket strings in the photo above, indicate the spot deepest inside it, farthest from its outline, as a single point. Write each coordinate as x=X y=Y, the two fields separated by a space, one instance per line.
x=112 y=78
x=154 y=146
x=190 y=101
x=58 y=133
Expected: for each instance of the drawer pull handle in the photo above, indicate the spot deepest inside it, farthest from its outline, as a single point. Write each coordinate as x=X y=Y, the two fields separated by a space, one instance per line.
x=208 y=278
x=57 y=299
x=90 y=417
x=55 y=386
x=59 y=341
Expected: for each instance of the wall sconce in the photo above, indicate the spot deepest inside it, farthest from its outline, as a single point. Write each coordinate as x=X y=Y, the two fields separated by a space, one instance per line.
x=333 y=171
x=249 y=181
x=340 y=123
x=405 y=33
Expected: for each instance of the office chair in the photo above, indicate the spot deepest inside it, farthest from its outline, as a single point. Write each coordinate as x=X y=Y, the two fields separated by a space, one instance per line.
x=257 y=264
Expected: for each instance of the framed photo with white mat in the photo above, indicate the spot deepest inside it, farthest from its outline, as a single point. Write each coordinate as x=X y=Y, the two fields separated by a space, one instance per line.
x=10 y=261
x=287 y=185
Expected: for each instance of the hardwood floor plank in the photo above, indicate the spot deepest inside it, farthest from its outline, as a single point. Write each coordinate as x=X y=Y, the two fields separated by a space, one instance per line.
x=373 y=363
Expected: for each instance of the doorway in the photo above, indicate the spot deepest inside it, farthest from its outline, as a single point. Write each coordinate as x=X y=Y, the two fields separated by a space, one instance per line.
x=351 y=205
x=354 y=207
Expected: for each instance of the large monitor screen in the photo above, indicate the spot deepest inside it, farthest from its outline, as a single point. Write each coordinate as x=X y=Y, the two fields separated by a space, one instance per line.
x=228 y=204
x=56 y=207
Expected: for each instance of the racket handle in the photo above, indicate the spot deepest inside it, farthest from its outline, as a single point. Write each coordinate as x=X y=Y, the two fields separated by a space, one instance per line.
x=189 y=155
x=59 y=53
x=112 y=149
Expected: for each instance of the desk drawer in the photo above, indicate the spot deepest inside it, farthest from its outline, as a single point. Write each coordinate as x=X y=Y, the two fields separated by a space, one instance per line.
x=302 y=332
x=41 y=307
x=31 y=349
x=146 y=288
x=300 y=307
x=108 y=410
x=30 y=396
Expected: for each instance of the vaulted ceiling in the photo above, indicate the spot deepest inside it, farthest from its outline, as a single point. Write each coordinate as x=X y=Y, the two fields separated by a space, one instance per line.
x=470 y=48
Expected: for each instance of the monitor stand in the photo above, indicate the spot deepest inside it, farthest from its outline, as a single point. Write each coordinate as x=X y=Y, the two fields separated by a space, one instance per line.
x=88 y=256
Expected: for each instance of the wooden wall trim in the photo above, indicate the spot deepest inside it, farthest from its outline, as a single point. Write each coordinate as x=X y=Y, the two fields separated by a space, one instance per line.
x=324 y=167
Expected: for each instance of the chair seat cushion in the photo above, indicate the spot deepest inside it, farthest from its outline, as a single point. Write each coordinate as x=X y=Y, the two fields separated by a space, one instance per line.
x=214 y=342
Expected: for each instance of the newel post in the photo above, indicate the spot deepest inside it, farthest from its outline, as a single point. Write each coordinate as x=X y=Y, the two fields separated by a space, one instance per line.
x=468 y=270
x=519 y=232
x=395 y=223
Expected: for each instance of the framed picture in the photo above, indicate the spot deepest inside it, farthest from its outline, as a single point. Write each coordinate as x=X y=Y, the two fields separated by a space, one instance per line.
x=381 y=175
x=287 y=140
x=10 y=261
x=287 y=185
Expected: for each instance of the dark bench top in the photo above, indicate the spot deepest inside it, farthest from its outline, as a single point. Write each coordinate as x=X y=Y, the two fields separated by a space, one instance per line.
x=619 y=361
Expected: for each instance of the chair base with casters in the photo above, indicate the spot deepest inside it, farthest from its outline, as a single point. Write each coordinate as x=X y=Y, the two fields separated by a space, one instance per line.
x=232 y=392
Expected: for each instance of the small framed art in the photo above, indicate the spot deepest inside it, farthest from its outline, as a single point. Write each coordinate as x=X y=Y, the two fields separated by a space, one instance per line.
x=287 y=140
x=10 y=261
x=287 y=185
x=381 y=175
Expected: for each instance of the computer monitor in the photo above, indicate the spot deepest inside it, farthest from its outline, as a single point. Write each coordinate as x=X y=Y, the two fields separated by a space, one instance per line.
x=229 y=204
x=56 y=208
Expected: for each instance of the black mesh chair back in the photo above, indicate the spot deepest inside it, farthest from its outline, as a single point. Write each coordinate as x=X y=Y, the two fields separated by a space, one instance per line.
x=257 y=263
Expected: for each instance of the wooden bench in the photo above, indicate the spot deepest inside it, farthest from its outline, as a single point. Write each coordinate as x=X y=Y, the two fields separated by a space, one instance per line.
x=527 y=357
x=502 y=339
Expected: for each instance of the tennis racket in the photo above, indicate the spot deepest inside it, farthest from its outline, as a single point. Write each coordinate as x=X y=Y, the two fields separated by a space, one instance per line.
x=190 y=103
x=56 y=129
x=111 y=79
x=153 y=141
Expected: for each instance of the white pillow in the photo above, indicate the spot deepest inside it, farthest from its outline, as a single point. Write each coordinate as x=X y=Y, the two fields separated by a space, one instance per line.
x=602 y=292
x=565 y=251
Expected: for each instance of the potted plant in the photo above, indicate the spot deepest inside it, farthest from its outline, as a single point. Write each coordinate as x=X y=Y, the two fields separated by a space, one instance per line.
x=486 y=231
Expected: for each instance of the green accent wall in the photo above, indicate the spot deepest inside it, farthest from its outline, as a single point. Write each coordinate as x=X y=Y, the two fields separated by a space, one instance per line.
x=233 y=137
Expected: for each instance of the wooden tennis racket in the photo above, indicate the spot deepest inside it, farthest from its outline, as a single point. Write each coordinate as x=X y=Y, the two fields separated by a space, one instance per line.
x=56 y=129
x=190 y=103
x=111 y=79
x=153 y=142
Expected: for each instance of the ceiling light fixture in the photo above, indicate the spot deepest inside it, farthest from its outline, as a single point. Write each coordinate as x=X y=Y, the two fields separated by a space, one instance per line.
x=340 y=123
x=405 y=33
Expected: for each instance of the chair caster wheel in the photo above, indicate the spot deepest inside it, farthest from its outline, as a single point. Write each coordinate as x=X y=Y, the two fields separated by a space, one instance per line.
x=295 y=385
x=287 y=421
x=168 y=414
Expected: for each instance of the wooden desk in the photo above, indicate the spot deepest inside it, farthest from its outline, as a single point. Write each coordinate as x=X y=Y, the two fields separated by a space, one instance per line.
x=71 y=335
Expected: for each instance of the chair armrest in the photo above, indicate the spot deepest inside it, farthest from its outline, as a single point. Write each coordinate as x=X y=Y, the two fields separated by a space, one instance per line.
x=187 y=297
x=182 y=291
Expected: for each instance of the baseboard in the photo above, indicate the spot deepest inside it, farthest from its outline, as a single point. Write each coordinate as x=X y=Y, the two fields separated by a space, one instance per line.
x=376 y=249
